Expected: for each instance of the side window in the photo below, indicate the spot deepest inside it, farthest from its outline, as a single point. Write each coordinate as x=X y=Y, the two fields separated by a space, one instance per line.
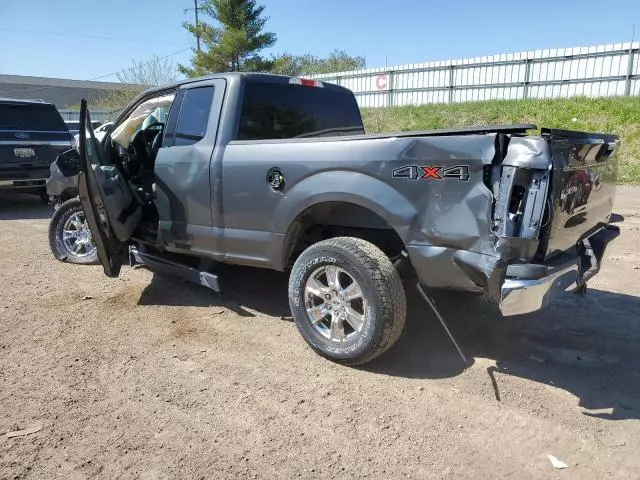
x=146 y=115
x=193 y=117
x=170 y=129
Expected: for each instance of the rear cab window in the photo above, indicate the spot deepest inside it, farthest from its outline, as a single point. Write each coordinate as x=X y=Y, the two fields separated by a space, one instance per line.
x=273 y=110
x=30 y=117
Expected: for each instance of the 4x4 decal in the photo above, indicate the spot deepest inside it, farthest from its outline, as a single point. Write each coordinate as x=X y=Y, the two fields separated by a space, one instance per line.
x=428 y=172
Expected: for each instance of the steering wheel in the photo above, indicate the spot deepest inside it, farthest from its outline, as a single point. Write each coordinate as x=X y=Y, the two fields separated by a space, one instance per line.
x=156 y=141
x=145 y=137
x=141 y=155
x=142 y=148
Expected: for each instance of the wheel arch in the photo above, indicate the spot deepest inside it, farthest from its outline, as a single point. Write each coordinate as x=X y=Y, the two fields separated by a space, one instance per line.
x=384 y=209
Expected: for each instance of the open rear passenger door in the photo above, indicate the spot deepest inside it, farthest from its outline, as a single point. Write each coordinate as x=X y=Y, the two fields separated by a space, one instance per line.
x=111 y=209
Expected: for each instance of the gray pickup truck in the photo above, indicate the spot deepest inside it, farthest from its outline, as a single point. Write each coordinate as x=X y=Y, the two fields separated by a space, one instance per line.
x=277 y=172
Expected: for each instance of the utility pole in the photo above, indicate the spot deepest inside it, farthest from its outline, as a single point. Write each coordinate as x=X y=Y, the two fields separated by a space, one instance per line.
x=195 y=9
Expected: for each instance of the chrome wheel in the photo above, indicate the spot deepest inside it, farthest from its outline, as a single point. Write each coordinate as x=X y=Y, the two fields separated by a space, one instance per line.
x=335 y=304
x=76 y=236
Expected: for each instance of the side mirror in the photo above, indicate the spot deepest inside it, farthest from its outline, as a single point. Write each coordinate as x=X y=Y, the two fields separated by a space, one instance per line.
x=69 y=162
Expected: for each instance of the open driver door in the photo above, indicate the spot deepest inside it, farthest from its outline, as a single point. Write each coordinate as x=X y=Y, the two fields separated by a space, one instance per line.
x=111 y=209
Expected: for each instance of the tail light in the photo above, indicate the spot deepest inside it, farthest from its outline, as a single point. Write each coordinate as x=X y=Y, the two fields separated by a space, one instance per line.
x=306 y=82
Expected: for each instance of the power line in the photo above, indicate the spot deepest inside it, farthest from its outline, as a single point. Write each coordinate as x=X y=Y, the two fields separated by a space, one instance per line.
x=34 y=89
x=91 y=37
x=145 y=63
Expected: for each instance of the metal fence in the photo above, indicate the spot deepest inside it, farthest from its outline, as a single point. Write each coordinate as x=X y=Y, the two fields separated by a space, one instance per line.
x=596 y=71
x=96 y=115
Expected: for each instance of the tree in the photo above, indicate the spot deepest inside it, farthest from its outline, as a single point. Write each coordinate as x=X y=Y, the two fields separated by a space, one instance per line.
x=157 y=71
x=137 y=78
x=234 y=43
x=337 y=61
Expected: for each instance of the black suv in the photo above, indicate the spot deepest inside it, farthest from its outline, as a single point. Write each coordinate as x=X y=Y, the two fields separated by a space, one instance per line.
x=32 y=135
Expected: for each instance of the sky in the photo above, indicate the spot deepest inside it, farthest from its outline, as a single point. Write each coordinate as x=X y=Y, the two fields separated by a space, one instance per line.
x=93 y=40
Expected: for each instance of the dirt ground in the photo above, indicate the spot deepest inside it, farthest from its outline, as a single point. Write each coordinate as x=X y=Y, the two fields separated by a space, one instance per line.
x=149 y=377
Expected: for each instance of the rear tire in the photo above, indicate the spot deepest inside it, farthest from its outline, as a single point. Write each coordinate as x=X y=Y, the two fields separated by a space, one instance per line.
x=63 y=216
x=347 y=300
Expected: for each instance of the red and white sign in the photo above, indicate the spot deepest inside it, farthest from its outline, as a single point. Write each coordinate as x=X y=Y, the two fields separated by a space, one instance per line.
x=382 y=81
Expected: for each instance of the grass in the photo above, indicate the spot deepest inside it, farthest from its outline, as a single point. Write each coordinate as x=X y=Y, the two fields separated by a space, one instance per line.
x=618 y=115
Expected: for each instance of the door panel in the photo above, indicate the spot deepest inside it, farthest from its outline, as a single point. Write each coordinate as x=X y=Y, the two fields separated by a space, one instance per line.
x=182 y=170
x=112 y=211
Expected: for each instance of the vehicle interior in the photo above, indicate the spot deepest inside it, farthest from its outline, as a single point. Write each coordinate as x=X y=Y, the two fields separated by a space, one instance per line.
x=133 y=146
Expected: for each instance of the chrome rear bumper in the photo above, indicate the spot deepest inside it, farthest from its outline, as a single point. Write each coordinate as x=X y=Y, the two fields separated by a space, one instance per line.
x=529 y=287
x=520 y=295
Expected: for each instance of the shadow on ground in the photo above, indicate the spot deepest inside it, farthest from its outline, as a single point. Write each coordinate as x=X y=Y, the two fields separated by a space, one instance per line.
x=584 y=345
x=23 y=207
x=587 y=345
x=243 y=289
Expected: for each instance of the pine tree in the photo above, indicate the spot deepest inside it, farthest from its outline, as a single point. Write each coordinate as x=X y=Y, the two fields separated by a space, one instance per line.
x=234 y=42
x=308 y=64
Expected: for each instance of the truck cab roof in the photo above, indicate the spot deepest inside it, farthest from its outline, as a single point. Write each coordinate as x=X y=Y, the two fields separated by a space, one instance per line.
x=262 y=77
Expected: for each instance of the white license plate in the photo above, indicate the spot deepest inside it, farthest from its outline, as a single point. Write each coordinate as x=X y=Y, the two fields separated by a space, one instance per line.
x=24 y=152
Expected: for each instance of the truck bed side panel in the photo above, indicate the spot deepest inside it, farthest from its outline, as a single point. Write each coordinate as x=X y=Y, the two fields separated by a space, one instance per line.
x=429 y=189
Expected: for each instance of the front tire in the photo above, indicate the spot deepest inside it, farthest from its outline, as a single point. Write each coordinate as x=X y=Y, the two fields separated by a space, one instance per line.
x=347 y=300
x=69 y=236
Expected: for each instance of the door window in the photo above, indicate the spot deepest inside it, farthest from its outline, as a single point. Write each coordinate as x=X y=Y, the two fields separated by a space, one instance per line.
x=150 y=112
x=193 y=118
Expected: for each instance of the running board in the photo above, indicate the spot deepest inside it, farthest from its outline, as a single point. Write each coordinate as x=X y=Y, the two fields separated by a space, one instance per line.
x=162 y=265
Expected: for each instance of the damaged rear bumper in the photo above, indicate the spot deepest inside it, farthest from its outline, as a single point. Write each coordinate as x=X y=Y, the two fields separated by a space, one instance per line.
x=529 y=287
x=516 y=288
x=525 y=295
